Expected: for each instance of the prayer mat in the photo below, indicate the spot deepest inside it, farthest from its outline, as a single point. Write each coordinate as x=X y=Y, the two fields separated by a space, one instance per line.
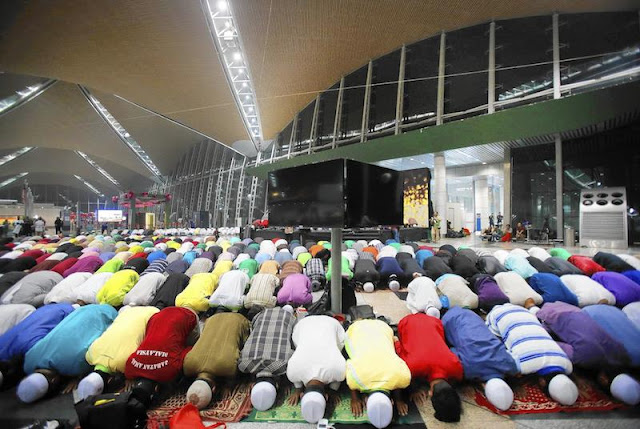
x=230 y=405
x=529 y=398
x=402 y=295
x=340 y=413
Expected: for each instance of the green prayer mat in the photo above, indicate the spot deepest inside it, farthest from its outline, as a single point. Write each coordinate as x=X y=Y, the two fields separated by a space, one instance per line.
x=341 y=414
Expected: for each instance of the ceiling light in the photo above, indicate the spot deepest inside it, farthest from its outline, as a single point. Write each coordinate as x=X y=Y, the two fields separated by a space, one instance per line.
x=237 y=56
x=12 y=179
x=244 y=84
x=87 y=184
x=97 y=167
x=222 y=5
x=484 y=163
x=10 y=157
x=250 y=109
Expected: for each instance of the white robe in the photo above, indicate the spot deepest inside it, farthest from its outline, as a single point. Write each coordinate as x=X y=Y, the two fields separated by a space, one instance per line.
x=588 y=291
x=516 y=288
x=422 y=295
x=145 y=290
x=318 y=356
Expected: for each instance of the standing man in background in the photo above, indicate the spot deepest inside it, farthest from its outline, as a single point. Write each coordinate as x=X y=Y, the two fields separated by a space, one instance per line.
x=500 y=218
x=436 y=227
x=39 y=226
x=491 y=222
x=58 y=225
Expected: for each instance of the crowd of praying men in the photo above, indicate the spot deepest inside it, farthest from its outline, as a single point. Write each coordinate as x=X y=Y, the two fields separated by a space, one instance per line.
x=151 y=309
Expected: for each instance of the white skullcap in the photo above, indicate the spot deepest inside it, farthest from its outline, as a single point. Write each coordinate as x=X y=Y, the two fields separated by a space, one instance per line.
x=368 y=287
x=263 y=395
x=626 y=389
x=563 y=390
x=499 y=393
x=288 y=308
x=32 y=388
x=433 y=312
x=91 y=385
x=76 y=306
x=394 y=285
x=199 y=394
x=379 y=410
x=312 y=406
x=534 y=310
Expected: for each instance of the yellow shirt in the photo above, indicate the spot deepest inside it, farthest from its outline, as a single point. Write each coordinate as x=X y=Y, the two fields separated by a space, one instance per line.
x=109 y=353
x=114 y=290
x=196 y=295
x=373 y=364
x=222 y=267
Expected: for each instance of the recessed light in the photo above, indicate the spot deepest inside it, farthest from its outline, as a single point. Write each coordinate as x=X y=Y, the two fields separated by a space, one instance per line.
x=484 y=163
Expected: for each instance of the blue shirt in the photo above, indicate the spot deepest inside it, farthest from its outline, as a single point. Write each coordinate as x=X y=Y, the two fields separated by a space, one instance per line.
x=618 y=326
x=482 y=354
x=63 y=349
x=423 y=254
x=21 y=338
x=552 y=289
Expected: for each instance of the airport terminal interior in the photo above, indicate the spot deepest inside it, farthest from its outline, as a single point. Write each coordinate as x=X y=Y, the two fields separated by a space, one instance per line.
x=320 y=213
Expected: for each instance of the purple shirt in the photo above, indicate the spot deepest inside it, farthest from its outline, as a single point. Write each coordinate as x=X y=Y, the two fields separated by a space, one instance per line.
x=296 y=289
x=587 y=344
x=623 y=288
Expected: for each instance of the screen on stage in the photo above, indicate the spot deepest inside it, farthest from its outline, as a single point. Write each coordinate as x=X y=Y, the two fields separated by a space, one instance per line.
x=110 y=216
x=416 y=197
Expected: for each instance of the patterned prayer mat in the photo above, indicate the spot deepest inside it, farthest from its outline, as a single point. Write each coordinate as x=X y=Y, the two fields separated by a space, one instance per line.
x=230 y=405
x=529 y=398
x=341 y=413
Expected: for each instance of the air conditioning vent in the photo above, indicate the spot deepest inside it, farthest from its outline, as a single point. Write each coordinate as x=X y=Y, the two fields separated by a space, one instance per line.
x=603 y=221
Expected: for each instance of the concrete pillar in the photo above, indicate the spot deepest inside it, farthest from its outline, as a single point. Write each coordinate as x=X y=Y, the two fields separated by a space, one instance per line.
x=506 y=188
x=481 y=201
x=440 y=190
x=559 y=206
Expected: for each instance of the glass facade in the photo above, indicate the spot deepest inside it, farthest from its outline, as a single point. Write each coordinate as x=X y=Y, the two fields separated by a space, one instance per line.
x=533 y=184
x=595 y=50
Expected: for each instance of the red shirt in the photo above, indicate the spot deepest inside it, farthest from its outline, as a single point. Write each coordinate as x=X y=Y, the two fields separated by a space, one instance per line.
x=422 y=346
x=161 y=353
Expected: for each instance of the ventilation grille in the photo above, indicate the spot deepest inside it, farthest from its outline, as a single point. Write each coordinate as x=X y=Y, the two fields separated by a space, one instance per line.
x=603 y=226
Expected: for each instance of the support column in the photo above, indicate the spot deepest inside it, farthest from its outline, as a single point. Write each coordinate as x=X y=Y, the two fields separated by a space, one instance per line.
x=337 y=118
x=336 y=270
x=506 y=188
x=491 y=92
x=481 y=201
x=556 y=56
x=441 y=70
x=440 y=190
x=559 y=174
x=400 y=95
x=364 y=129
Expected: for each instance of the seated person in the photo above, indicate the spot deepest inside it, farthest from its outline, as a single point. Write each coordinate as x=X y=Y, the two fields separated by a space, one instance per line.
x=422 y=346
x=316 y=362
x=483 y=356
x=375 y=369
x=230 y=291
x=266 y=353
x=521 y=332
x=295 y=291
x=159 y=358
x=61 y=353
x=507 y=236
x=521 y=232
x=109 y=353
x=215 y=355
x=423 y=297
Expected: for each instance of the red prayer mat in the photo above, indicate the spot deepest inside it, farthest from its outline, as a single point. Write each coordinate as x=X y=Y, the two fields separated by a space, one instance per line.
x=529 y=398
x=231 y=406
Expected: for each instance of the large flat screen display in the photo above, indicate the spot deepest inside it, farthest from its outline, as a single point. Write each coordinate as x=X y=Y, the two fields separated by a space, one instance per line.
x=110 y=216
x=337 y=193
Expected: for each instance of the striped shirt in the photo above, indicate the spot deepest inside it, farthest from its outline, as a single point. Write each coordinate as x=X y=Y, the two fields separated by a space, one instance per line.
x=529 y=343
x=268 y=348
x=157 y=266
x=261 y=292
x=315 y=270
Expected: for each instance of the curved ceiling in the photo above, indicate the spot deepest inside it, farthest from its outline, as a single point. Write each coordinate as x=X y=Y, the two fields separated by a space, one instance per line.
x=161 y=55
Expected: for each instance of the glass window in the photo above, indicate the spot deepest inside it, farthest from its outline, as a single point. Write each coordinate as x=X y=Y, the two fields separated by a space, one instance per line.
x=593 y=45
x=421 y=82
x=384 y=92
x=524 y=57
x=283 y=140
x=534 y=186
x=303 y=132
x=352 y=104
x=327 y=115
x=467 y=61
x=602 y=160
